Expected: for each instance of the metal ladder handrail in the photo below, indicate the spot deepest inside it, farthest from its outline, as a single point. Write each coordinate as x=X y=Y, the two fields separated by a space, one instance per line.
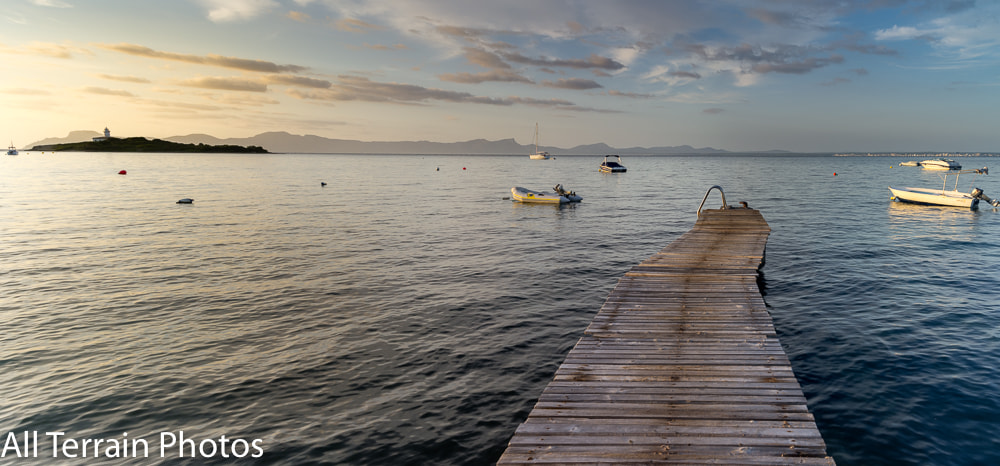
x=724 y=205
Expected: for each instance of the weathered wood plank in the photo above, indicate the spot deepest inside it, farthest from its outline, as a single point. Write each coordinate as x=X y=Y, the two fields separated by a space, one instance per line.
x=680 y=365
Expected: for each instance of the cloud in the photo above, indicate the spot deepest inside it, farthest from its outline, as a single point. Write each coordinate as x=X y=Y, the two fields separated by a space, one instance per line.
x=797 y=67
x=221 y=11
x=900 y=33
x=356 y=25
x=357 y=88
x=631 y=95
x=594 y=61
x=52 y=3
x=127 y=79
x=572 y=83
x=385 y=47
x=782 y=58
x=47 y=49
x=485 y=59
x=684 y=74
x=300 y=81
x=486 y=76
x=208 y=60
x=297 y=16
x=225 y=84
x=105 y=91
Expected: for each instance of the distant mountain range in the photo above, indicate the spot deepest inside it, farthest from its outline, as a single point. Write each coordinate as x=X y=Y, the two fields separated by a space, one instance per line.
x=285 y=142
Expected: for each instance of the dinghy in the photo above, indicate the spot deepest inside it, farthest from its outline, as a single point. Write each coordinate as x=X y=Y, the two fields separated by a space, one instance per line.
x=559 y=196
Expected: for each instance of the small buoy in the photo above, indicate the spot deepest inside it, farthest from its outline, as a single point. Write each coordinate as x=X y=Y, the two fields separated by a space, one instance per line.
x=439 y=169
x=122 y=172
x=834 y=173
x=322 y=183
x=186 y=200
x=463 y=168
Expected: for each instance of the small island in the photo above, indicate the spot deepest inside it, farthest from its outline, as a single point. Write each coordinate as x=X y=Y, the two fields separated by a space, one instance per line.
x=141 y=144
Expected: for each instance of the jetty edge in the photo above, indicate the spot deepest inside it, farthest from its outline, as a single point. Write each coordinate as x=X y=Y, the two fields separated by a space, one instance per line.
x=681 y=365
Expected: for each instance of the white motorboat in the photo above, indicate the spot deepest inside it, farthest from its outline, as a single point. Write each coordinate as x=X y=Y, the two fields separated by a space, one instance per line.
x=558 y=196
x=612 y=166
x=944 y=196
x=543 y=155
x=940 y=164
x=911 y=163
x=12 y=150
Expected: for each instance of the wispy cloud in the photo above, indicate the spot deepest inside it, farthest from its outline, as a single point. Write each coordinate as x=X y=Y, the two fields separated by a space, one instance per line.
x=357 y=88
x=572 y=83
x=356 y=25
x=225 y=84
x=106 y=91
x=208 y=60
x=127 y=79
x=221 y=11
x=486 y=76
x=631 y=95
x=297 y=16
x=52 y=3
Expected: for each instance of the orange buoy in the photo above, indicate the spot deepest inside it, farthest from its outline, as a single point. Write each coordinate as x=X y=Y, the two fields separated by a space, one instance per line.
x=122 y=172
x=834 y=173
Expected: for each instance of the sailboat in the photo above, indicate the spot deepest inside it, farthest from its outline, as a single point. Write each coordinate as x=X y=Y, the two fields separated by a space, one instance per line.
x=12 y=150
x=538 y=155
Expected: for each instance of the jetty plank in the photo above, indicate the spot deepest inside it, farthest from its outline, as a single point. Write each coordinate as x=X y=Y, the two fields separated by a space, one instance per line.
x=681 y=365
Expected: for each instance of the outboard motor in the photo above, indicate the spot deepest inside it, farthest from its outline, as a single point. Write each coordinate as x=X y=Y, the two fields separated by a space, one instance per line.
x=978 y=194
x=562 y=192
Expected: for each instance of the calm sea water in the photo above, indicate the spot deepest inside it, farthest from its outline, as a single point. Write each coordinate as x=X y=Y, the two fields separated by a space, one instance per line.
x=407 y=314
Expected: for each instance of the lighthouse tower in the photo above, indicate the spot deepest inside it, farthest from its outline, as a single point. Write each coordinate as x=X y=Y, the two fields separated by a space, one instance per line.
x=107 y=135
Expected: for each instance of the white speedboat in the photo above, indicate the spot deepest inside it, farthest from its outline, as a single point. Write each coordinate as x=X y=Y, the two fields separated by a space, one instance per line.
x=538 y=155
x=558 y=196
x=944 y=196
x=940 y=164
x=612 y=166
x=12 y=150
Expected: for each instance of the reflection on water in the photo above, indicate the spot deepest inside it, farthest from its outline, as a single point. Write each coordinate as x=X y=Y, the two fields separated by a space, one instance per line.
x=407 y=314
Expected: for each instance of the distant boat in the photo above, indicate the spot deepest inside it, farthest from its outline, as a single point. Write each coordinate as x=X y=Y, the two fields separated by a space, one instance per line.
x=612 y=166
x=559 y=196
x=944 y=196
x=12 y=150
x=940 y=164
x=538 y=155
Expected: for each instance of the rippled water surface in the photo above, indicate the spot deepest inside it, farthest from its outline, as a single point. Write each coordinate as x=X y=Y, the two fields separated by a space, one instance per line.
x=407 y=314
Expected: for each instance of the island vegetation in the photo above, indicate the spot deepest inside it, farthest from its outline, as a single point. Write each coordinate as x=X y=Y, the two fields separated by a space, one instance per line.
x=141 y=144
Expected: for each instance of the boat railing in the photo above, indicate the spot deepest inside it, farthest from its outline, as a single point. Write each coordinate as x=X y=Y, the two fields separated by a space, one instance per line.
x=724 y=205
x=957 y=173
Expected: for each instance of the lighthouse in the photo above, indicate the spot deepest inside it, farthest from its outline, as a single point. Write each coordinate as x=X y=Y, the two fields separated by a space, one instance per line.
x=107 y=135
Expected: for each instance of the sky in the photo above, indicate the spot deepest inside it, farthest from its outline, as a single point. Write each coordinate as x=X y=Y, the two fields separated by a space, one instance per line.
x=738 y=75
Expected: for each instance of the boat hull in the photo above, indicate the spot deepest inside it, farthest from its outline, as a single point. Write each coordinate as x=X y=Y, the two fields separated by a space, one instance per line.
x=940 y=164
x=934 y=197
x=539 y=156
x=520 y=194
x=618 y=169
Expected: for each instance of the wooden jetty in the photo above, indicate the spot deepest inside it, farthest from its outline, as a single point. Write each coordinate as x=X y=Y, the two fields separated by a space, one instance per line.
x=681 y=365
